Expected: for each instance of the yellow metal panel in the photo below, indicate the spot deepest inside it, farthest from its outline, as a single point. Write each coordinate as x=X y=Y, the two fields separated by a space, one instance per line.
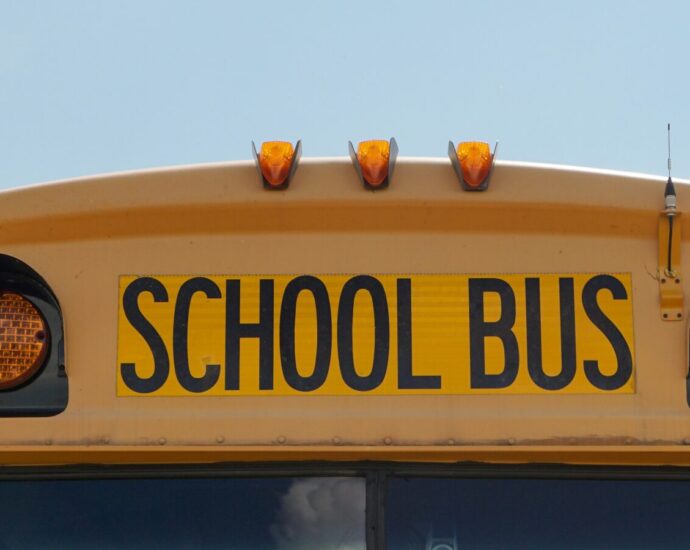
x=83 y=236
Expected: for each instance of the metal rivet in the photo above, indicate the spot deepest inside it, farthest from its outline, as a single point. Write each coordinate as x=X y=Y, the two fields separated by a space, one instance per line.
x=106 y=440
x=48 y=441
x=220 y=439
x=686 y=441
x=629 y=441
x=511 y=441
x=387 y=440
x=337 y=440
x=451 y=442
x=281 y=439
x=162 y=441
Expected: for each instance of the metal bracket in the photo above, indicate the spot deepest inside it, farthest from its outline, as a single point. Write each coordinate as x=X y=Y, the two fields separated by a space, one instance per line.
x=669 y=275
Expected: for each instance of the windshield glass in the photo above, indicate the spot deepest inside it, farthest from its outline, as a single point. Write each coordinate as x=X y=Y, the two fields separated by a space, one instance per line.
x=447 y=514
x=319 y=513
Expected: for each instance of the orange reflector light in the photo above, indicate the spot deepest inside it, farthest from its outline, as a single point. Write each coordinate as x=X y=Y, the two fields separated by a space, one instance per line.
x=275 y=161
x=475 y=161
x=23 y=340
x=374 y=162
x=373 y=157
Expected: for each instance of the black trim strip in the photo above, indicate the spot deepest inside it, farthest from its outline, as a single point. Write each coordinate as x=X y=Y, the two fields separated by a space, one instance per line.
x=374 y=470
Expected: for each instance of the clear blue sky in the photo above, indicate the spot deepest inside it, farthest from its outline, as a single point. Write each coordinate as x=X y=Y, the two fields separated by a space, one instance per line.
x=90 y=86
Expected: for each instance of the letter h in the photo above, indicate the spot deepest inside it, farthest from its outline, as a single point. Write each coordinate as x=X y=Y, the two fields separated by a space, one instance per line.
x=235 y=330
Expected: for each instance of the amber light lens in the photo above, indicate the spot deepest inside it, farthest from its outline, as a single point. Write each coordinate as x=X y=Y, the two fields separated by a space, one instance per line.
x=373 y=157
x=475 y=161
x=23 y=340
x=275 y=160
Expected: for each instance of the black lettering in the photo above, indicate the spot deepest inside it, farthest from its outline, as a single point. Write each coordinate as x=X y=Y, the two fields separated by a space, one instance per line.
x=534 y=351
x=324 y=333
x=608 y=329
x=406 y=379
x=481 y=329
x=181 y=334
x=234 y=331
x=161 y=360
x=381 y=332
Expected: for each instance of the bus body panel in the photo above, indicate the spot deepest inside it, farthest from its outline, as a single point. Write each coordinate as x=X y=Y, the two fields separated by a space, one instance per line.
x=81 y=236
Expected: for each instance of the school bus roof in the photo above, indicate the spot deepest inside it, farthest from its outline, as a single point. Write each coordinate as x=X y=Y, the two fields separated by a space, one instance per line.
x=332 y=179
x=91 y=238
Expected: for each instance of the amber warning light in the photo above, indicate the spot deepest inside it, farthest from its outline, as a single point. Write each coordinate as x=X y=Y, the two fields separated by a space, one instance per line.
x=23 y=340
x=472 y=162
x=374 y=161
x=277 y=162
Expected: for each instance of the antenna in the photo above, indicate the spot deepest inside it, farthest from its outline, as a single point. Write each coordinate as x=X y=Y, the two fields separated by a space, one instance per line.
x=670 y=191
x=669 y=149
x=670 y=206
x=669 y=276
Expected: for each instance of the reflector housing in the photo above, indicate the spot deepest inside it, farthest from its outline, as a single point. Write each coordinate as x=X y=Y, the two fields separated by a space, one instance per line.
x=374 y=161
x=275 y=159
x=472 y=161
x=277 y=162
x=24 y=340
x=475 y=161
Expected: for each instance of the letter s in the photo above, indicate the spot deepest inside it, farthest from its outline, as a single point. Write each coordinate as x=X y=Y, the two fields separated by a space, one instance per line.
x=608 y=329
x=161 y=361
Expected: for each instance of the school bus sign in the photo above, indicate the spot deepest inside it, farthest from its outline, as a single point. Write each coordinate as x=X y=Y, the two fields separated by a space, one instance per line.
x=375 y=334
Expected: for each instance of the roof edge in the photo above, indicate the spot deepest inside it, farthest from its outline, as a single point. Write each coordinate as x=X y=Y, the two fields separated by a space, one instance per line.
x=336 y=161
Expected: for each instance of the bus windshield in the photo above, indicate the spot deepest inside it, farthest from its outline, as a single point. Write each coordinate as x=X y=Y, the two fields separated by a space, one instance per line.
x=318 y=513
x=447 y=514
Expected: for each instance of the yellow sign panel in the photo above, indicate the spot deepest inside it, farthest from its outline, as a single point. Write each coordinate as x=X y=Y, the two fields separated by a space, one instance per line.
x=375 y=334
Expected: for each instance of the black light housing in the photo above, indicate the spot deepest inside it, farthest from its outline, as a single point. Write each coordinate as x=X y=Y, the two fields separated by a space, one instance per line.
x=45 y=391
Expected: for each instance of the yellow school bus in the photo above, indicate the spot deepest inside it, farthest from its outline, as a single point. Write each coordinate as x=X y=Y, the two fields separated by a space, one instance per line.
x=202 y=357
